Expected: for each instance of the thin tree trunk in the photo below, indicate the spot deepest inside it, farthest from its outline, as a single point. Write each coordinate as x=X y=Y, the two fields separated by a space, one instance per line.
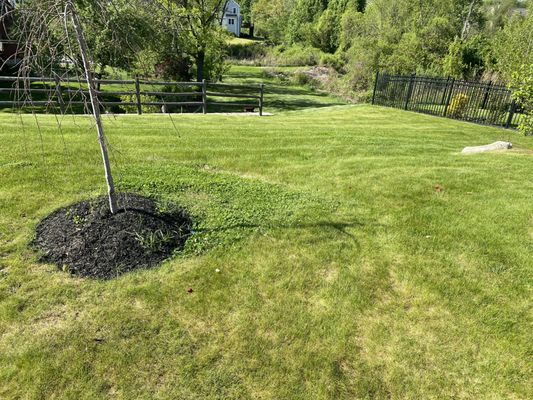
x=96 y=108
x=223 y=11
x=466 y=25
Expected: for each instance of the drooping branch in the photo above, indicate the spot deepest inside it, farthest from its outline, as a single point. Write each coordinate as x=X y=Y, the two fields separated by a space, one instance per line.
x=47 y=32
x=87 y=64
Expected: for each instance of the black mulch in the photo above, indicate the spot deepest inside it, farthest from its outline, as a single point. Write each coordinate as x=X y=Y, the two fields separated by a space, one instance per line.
x=86 y=240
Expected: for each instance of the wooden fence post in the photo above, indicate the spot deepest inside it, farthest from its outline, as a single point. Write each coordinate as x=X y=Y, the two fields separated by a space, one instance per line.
x=409 y=91
x=261 y=92
x=59 y=91
x=97 y=78
x=448 y=98
x=375 y=88
x=512 y=110
x=138 y=95
x=204 y=96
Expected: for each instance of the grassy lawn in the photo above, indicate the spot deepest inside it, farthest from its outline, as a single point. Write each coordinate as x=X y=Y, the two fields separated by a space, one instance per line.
x=281 y=97
x=243 y=41
x=360 y=257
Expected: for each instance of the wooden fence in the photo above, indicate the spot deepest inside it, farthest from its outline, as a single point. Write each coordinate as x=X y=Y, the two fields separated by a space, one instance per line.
x=63 y=94
x=478 y=102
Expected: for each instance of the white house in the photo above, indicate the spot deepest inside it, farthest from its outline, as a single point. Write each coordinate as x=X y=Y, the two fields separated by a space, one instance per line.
x=231 y=19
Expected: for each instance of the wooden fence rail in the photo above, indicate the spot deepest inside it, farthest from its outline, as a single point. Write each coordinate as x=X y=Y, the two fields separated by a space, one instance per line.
x=63 y=93
x=478 y=102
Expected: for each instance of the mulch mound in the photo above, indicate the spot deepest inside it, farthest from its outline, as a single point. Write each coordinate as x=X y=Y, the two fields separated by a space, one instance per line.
x=86 y=240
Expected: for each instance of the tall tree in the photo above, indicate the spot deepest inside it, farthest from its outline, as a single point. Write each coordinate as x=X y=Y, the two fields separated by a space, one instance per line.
x=247 y=16
x=271 y=18
x=200 y=19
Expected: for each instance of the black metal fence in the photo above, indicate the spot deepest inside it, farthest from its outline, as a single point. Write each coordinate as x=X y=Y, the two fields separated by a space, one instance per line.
x=478 y=102
x=137 y=96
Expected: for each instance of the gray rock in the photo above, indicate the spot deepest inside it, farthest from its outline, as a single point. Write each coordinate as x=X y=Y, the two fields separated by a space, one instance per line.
x=488 y=147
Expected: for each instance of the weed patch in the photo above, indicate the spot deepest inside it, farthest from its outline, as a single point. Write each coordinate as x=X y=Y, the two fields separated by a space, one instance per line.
x=225 y=207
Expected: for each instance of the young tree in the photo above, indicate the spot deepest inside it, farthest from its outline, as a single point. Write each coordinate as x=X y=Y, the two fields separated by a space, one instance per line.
x=522 y=85
x=49 y=30
x=513 y=50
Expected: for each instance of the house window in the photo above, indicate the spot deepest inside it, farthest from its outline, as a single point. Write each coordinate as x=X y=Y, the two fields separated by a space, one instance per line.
x=231 y=21
x=234 y=11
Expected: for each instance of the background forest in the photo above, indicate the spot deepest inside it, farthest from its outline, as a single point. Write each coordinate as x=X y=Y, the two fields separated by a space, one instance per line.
x=490 y=40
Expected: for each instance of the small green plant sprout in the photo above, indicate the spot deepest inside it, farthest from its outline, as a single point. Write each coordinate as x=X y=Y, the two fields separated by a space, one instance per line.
x=154 y=241
x=166 y=207
x=79 y=220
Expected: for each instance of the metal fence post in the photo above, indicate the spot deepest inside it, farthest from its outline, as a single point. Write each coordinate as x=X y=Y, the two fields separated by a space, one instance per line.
x=409 y=91
x=59 y=91
x=261 y=91
x=512 y=110
x=375 y=88
x=486 y=96
x=204 y=96
x=138 y=95
x=448 y=98
x=444 y=94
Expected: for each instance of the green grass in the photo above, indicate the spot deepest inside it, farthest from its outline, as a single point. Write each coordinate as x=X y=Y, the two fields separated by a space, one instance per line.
x=243 y=41
x=345 y=271
x=281 y=97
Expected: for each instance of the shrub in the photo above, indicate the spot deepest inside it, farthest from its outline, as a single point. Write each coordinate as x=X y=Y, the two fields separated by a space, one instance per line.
x=252 y=50
x=332 y=60
x=132 y=98
x=274 y=73
x=365 y=96
x=522 y=85
x=458 y=105
x=294 y=56
x=301 y=78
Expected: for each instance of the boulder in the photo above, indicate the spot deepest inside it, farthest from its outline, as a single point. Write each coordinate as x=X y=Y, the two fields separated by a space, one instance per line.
x=488 y=147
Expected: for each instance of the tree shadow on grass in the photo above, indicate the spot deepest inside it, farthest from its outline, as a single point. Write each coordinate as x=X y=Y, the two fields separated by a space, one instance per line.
x=251 y=76
x=292 y=91
x=335 y=226
x=279 y=105
x=290 y=98
x=297 y=104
